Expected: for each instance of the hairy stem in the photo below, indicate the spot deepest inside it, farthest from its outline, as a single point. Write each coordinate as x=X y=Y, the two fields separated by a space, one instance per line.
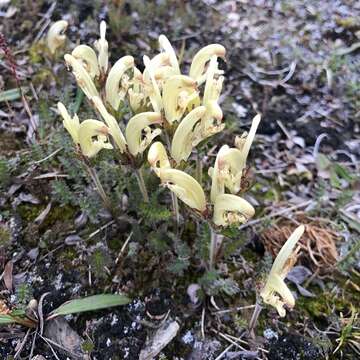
x=174 y=199
x=99 y=188
x=175 y=205
x=215 y=244
x=212 y=247
x=198 y=168
x=142 y=186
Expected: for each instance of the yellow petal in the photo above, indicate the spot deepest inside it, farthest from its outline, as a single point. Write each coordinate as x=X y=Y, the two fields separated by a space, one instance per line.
x=158 y=62
x=114 y=129
x=71 y=124
x=217 y=175
x=185 y=187
x=113 y=88
x=88 y=58
x=178 y=91
x=233 y=162
x=154 y=91
x=82 y=76
x=102 y=47
x=136 y=93
x=231 y=209
x=166 y=46
x=93 y=137
x=286 y=251
x=211 y=123
x=186 y=133
x=202 y=57
x=277 y=294
x=157 y=156
x=275 y=283
x=134 y=131
x=244 y=146
x=233 y=169
x=55 y=36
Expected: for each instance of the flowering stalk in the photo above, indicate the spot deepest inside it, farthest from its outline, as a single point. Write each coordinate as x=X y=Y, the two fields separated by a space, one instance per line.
x=275 y=292
x=98 y=186
x=141 y=183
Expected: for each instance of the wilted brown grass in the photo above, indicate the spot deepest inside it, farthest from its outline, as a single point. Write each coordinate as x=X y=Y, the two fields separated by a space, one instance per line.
x=318 y=244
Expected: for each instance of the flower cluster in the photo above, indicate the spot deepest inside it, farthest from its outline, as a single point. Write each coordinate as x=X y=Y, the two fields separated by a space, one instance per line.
x=181 y=108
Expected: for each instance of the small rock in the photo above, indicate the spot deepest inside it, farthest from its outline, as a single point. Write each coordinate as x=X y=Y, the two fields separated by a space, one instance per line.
x=192 y=291
x=72 y=240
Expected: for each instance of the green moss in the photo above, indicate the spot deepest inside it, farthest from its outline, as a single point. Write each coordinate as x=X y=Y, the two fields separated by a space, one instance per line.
x=35 y=52
x=5 y=236
x=315 y=307
x=29 y=212
x=98 y=260
x=87 y=346
x=323 y=304
x=4 y=174
x=9 y=142
x=59 y=213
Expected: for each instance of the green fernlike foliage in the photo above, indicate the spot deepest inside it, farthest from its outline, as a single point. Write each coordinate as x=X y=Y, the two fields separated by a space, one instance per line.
x=213 y=284
x=4 y=173
x=153 y=211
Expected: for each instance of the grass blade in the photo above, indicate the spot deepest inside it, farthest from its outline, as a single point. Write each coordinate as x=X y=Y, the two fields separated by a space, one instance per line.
x=10 y=95
x=91 y=303
x=6 y=319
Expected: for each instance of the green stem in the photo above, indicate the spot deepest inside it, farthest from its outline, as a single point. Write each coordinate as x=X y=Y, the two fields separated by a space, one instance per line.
x=141 y=183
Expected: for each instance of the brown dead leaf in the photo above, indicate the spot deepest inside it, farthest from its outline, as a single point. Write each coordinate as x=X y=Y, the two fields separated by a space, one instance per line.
x=8 y=275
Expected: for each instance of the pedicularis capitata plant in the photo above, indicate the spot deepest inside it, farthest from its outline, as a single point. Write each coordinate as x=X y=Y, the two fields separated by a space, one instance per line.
x=171 y=114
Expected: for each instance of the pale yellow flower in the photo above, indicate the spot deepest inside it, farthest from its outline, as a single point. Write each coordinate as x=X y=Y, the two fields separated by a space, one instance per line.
x=55 y=36
x=102 y=47
x=244 y=142
x=202 y=57
x=212 y=121
x=168 y=49
x=114 y=89
x=275 y=291
x=71 y=124
x=178 y=92
x=137 y=127
x=136 y=92
x=184 y=186
x=114 y=129
x=88 y=58
x=93 y=136
x=230 y=163
x=161 y=70
x=231 y=210
x=218 y=174
x=187 y=134
x=157 y=156
x=153 y=90
x=82 y=77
